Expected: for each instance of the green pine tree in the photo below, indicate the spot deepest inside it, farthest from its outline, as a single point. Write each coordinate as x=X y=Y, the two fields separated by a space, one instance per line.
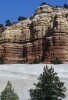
x=8 y=23
x=21 y=18
x=49 y=86
x=8 y=93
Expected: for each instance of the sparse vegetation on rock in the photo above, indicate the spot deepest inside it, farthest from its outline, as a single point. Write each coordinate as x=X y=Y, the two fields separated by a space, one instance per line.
x=56 y=61
x=43 y=3
x=8 y=23
x=36 y=61
x=65 y=6
x=21 y=18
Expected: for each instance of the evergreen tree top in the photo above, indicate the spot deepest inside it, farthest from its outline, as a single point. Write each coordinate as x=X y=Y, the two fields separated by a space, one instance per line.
x=49 y=86
x=8 y=93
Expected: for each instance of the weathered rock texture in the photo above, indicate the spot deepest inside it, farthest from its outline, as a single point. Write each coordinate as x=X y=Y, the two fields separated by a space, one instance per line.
x=44 y=36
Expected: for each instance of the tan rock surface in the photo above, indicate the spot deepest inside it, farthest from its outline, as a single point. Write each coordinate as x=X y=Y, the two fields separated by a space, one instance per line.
x=44 y=37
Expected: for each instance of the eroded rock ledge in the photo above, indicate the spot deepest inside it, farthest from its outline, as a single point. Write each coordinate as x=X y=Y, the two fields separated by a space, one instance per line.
x=44 y=37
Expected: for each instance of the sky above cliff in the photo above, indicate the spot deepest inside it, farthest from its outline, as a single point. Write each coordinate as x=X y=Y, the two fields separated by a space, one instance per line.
x=12 y=9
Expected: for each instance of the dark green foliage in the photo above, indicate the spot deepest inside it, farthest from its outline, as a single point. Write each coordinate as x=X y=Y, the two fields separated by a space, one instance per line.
x=8 y=93
x=56 y=61
x=36 y=61
x=56 y=6
x=65 y=6
x=2 y=28
x=43 y=3
x=1 y=60
x=49 y=86
x=1 y=25
x=8 y=23
x=21 y=18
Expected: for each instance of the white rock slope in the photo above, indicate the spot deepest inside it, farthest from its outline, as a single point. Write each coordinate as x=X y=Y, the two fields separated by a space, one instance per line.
x=22 y=77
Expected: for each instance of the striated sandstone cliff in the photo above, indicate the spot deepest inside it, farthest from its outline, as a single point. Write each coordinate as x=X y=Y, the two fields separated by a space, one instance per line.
x=44 y=37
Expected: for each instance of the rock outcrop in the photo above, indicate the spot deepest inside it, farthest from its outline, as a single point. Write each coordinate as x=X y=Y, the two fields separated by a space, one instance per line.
x=42 y=37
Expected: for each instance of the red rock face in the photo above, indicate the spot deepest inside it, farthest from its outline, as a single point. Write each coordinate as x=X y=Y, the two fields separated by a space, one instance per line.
x=56 y=43
x=44 y=38
x=56 y=48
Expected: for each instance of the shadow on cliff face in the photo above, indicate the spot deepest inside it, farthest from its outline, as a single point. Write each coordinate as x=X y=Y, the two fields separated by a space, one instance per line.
x=45 y=46
x=46 y=43
x=24 y=53
x=32 y=35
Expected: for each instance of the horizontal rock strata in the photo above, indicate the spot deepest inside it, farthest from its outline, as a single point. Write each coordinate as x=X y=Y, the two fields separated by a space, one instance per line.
x=42 y=37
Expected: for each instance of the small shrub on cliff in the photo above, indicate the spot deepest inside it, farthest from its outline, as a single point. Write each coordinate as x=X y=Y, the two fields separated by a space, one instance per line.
x=8 y=23
x=36 y=61
x=49 y=86
x=43 y=3
x=65 y=6
x=21 y=18
x=56 y=61
x=1 y=25
x=2 y=28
